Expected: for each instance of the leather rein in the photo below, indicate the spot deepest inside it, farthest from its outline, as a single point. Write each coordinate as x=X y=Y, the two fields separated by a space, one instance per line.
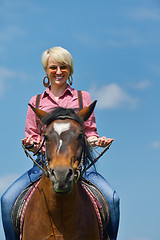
x=79 y=173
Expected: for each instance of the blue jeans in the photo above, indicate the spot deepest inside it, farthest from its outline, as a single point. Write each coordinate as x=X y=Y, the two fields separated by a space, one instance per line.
x=112 y=199
x=9 y=197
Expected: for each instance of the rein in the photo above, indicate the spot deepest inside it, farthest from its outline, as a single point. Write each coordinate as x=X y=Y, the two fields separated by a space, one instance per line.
x=29 y=155
x=96 y=159
x=79 y=173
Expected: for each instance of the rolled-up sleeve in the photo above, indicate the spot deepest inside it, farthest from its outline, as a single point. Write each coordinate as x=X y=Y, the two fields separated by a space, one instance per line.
x=89 y=125
x=31 y=129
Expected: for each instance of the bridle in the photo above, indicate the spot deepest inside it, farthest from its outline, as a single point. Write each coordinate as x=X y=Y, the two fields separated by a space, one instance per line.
x=47 y=171
x=41 y=153
x=78 y=172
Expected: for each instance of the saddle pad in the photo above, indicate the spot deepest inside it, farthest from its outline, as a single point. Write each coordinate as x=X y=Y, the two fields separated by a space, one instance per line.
x=101 y=206
x=20 y=206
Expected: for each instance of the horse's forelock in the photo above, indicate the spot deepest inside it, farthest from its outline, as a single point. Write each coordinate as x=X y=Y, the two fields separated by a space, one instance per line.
x=62 y=113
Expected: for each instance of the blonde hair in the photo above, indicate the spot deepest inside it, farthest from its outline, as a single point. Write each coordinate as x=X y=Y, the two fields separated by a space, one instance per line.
x=57 y=54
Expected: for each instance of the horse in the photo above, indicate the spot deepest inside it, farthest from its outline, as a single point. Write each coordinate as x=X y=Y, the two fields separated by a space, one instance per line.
x=60 y=208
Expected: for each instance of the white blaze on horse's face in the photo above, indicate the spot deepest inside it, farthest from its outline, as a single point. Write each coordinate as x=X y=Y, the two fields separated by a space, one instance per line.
x=61 y=127
x=59 y=146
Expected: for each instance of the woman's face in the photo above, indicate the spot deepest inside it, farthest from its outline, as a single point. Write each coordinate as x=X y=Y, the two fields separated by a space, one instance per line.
x=58 y=73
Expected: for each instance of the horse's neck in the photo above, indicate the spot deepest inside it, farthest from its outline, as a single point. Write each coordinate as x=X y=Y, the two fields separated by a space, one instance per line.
x=69 y=214
x=59 y=205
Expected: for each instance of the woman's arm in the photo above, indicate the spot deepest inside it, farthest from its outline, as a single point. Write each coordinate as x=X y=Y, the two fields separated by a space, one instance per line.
x=32 y=135
x=90 y=126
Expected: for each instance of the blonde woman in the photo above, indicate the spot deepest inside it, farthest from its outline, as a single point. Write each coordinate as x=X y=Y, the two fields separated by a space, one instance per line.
x=58 y=66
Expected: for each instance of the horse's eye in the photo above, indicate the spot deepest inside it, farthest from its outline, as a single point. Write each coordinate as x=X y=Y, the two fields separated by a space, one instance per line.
x=79 y=137
x=46 y=138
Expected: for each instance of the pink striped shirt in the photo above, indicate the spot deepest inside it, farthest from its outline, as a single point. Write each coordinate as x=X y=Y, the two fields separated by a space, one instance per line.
x=68 y=99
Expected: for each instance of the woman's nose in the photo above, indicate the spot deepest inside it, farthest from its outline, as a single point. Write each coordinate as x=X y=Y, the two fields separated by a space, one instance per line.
x=58 y=70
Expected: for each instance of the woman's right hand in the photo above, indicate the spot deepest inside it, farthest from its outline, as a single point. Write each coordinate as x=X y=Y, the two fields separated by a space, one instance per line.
x=30 y=144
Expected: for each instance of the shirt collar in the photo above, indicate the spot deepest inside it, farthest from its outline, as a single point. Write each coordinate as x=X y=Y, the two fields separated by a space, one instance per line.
x=69 y=89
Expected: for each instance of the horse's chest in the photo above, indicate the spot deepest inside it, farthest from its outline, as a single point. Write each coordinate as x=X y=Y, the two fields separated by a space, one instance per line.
x=77 y=223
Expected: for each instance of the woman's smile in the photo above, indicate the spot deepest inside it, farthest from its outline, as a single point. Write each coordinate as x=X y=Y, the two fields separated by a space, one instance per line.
x=58 y=73
x=59 y=77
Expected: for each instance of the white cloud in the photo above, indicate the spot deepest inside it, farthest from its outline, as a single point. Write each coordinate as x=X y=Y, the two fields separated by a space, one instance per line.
x=141 y=85
x=112 y=96
x=4 y=75
x=11 y=32
x=124 y=37
x=116 y=38
x=155 y=144
x=7 y=74
x=144 y=84
x=155 y=68
x=6 y=181
x=145 y=14
x=17 y=8
x=87 y=39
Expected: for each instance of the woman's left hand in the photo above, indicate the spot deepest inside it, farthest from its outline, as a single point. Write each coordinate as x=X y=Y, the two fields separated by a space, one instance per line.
x=103 y=141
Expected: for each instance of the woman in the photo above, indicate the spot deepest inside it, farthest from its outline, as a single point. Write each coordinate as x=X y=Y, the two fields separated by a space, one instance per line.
x=58 y=65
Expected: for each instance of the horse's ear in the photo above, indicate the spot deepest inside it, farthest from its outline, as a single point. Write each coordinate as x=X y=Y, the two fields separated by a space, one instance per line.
x=40 y=113
x=86 y=112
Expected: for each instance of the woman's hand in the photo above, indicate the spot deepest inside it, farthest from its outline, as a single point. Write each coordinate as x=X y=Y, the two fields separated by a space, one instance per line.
x=30 y=144
x=103 y=141
x=100 y=142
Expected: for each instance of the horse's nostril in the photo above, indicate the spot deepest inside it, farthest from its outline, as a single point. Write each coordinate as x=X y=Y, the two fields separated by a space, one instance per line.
x=62 y=175
x=70 y=173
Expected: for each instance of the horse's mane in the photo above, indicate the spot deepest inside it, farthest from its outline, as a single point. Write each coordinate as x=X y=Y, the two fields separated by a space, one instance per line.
x=69 y=113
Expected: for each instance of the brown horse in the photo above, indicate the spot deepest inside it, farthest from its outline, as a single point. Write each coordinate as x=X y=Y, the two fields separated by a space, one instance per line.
x=60 y=208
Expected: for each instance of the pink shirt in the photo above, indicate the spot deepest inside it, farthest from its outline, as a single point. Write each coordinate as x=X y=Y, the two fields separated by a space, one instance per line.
x=68 y=99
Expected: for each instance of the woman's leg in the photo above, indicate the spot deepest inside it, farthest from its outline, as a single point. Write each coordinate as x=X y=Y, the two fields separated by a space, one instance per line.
x=9 y=197
x=112 y=199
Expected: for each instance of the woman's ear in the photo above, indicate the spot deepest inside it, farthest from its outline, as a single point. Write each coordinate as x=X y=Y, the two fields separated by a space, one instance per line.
x=46 y=71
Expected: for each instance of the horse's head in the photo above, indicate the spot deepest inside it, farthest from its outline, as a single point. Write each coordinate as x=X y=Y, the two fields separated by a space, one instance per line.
x=64 y=143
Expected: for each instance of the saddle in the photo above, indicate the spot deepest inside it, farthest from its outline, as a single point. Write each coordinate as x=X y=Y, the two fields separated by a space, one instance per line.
x=101 y=207
x=98 y=200
x=19 y=208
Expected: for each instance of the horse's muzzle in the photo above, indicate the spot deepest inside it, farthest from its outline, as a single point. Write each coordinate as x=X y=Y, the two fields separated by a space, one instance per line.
x=62 y=179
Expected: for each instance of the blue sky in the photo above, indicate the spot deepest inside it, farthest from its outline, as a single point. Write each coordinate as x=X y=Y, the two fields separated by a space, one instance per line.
x=115 y=46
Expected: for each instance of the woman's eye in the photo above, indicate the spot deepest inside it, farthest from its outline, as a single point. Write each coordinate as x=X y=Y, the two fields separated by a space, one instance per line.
x=53 y=67
x=63 y=67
